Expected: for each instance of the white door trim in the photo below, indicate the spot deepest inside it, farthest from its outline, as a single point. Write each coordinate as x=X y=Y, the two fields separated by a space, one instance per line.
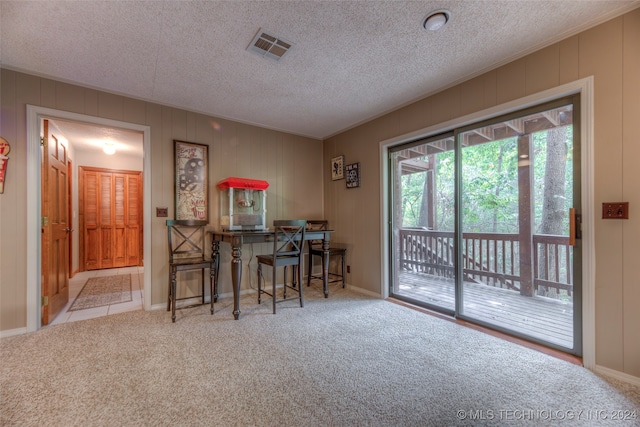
x=34 y=253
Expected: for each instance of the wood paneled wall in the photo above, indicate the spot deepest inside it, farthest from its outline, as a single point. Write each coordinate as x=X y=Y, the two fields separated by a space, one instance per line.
x=610 y=53
x=291 y=164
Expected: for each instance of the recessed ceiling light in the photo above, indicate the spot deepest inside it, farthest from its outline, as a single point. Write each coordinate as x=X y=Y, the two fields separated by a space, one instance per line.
x=436 y=20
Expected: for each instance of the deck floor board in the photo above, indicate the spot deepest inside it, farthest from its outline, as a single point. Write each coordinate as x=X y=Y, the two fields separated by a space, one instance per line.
x=541 y=318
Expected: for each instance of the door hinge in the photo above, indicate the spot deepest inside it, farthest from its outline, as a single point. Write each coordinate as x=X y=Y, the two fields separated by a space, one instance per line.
x=43 y=141
x=45 y=221
x=45 y=301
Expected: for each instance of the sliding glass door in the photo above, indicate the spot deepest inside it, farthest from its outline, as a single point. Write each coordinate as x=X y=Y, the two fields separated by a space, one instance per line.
x=423 y=217
x=482 y=223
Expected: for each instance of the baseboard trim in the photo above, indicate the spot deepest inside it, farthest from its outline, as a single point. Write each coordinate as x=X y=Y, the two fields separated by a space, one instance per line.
x=186 y=301
x=13 y=332
x=362 y=291
x=608 y=372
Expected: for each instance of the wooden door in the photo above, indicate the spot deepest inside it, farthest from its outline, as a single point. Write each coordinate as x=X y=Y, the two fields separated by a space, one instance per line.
x=133 y=219
x=111 y=213
x=55 y=226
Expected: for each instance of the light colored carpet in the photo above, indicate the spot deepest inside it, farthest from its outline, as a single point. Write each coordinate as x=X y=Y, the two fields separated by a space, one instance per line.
x=101 y=291
x=348 y=360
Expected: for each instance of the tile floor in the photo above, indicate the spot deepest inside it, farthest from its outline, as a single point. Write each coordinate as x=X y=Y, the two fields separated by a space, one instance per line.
x=77 y=282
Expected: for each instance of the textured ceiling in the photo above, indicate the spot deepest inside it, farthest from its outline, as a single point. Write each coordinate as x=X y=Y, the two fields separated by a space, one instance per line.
x=350 y=61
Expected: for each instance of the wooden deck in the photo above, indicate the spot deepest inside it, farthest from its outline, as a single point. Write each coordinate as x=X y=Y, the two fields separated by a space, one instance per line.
x=541 y=318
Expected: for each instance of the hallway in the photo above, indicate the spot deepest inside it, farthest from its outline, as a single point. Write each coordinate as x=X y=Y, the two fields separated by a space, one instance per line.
x=77 y=282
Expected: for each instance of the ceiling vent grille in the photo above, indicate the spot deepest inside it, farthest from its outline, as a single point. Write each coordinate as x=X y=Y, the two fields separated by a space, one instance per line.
x=269 y=46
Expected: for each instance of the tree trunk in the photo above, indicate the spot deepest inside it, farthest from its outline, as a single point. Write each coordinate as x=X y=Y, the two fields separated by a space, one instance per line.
x=553 y=204
x=426 y=205
x=498 y=188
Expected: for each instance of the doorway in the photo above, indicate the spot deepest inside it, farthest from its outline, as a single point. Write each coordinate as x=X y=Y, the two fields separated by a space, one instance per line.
x=481 y=221
x=35 y=115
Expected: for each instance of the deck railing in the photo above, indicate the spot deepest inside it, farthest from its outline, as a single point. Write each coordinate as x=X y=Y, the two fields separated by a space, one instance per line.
x=490 y=258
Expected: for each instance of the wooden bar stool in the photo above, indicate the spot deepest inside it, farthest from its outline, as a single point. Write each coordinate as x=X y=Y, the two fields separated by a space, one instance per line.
x=187 y=252
x=288 y=246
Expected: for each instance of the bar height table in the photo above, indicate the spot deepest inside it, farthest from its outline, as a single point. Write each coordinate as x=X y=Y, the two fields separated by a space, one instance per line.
x=237 y=238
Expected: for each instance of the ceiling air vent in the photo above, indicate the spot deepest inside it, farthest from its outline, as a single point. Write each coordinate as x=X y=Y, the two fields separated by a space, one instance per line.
x=269 y=46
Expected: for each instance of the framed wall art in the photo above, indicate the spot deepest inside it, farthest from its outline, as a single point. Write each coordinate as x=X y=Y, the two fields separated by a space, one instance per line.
x=337 y=168
x=352 y=172
x=191 y=180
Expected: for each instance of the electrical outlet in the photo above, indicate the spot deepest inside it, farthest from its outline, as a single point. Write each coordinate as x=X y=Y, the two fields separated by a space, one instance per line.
x=348 y=269
x=162 y=212
x=615 y=210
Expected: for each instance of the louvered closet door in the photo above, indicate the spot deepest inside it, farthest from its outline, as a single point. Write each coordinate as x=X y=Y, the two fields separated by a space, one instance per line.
x=134 y=219
x=106 y=220
x=112 y=218
x=119 y=224
x=91 y=241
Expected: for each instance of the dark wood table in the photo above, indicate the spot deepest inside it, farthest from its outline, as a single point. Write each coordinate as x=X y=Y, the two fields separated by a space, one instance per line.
x=237 y=238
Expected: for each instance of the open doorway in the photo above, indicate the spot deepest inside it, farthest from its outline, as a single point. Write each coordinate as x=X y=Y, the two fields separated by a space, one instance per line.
x=35 y=117
x=104 y=228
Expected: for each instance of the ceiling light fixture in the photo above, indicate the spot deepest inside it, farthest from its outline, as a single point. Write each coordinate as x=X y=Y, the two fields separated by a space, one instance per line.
x=436 y=20
x=109 y=147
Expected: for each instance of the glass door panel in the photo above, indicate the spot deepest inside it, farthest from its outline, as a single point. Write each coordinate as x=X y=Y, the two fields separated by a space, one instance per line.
x=423 y=217
x=516 y=191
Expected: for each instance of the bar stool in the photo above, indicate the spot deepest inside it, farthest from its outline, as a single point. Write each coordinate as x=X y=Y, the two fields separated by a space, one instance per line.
x=315 y=249
x=288 y=246
x=187 y=252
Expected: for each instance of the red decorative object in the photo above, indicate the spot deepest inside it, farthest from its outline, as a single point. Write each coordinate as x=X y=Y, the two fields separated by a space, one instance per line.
x=243 y=203
x=4 y=159
x=246 y=183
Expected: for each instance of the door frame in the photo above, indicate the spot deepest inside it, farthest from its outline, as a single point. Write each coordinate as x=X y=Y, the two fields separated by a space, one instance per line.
x=584 y=87
x=34 y=208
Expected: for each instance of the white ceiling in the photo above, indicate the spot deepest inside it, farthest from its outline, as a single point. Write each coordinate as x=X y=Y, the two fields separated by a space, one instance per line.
x=89 y=137
x=351 y=60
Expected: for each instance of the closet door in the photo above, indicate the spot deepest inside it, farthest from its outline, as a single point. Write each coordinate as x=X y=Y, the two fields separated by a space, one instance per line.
x=106 y=220
x=90 y=229
x=119 y=220
x=133 y=219
x=112 y=218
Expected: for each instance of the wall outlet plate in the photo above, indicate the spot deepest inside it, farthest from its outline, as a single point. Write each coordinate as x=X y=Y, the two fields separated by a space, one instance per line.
x=162 y=212
x=615 y=210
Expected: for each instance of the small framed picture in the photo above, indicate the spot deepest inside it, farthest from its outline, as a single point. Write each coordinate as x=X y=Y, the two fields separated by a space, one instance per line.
x=337 y=168
x=352 y=172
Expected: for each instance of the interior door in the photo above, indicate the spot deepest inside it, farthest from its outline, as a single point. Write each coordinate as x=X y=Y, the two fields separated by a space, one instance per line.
x=133 y=218
x=110 y=213
x=55 y=225
x=126 y=222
